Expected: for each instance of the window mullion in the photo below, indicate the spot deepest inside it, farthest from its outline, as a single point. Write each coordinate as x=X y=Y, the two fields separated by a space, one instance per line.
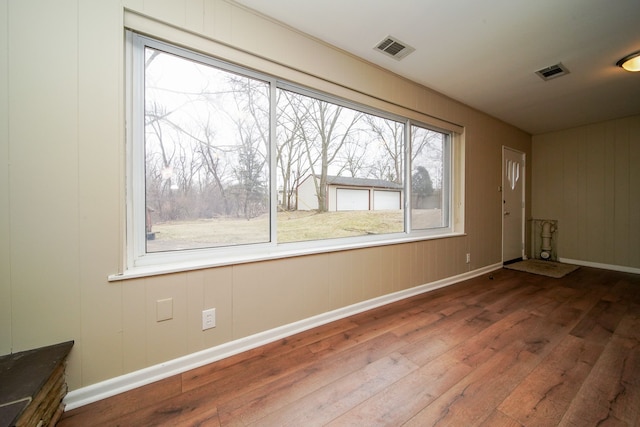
x=407 y=176
x=273 y=171
x=136 y=167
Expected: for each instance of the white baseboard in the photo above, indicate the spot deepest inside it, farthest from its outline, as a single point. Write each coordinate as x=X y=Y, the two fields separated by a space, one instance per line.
x=111 y=387
x=621 y=268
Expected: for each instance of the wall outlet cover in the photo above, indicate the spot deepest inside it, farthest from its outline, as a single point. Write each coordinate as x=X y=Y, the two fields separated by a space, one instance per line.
x=208 y=319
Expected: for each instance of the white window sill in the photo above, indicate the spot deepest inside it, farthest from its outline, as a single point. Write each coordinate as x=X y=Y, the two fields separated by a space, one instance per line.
x=209 y=260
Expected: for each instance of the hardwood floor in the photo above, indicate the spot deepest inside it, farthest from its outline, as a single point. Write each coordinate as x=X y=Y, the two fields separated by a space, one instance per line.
x=503 y=349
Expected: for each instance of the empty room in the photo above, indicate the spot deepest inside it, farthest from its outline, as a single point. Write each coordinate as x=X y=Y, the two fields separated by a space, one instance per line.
x=239 y=212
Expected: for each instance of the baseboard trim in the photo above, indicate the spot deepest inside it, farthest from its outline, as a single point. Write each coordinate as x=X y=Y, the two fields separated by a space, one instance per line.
x=111 y=387
x=621 y=268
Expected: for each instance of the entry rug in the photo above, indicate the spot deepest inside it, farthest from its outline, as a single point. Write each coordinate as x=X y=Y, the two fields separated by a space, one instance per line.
x=545 y=268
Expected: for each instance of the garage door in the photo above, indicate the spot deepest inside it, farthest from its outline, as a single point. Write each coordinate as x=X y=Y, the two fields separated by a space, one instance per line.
x=352 y=200
x=386 y=200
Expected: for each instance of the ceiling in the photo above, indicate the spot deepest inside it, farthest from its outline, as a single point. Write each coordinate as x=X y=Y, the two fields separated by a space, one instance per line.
x=485 y=53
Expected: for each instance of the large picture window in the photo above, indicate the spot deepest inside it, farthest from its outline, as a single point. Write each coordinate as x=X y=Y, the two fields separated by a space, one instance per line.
x=229 y=164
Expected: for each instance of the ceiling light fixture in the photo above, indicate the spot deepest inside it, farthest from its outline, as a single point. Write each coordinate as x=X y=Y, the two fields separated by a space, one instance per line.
x=630 y=62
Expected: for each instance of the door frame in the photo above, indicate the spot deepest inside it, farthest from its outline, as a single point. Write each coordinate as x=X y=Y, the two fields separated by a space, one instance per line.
x=524 y=200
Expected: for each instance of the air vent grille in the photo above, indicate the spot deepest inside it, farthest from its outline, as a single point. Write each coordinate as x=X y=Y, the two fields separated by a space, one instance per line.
x=394 y=48
x=552 y=71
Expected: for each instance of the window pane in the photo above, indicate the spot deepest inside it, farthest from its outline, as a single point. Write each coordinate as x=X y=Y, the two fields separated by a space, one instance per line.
x=339 y=171
x=206 y=155
x=429 y=186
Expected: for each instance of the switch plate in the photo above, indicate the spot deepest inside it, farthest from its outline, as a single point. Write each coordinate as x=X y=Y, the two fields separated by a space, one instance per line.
x=164 y=309
x=208 y=319
x=468 y=258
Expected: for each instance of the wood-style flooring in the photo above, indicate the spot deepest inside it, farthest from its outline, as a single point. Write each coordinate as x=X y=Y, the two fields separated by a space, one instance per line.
x=503 y=349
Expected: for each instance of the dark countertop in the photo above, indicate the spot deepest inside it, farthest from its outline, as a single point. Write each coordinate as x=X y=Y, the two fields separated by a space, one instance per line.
x=23 y=374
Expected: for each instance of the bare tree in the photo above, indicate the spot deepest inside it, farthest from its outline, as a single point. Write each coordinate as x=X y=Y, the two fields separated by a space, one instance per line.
x=212 y=158
x=328 y=128
x=251 y=119
x=389 y=165
x=353 y=157
x=290 y=156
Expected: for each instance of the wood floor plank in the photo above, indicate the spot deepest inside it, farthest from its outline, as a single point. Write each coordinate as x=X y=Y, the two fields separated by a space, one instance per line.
x=298 y=344
x=542 y=398
x=419 y=324
x=626 y=288
x=600 y=322
x=368 y=330
x=124 y=403
x=470 y=401
x=449 y=337
x=498 y=419
x=629 y=326
x=519 y=298
x=415 y=332
x=245 y=377
x=189 y=408
x=484 y=344
x=403 y=308
x=539 y=334
x=460 y=327
x=611 y=393
x=321 y=406
x=391 y=406
x=260 y=402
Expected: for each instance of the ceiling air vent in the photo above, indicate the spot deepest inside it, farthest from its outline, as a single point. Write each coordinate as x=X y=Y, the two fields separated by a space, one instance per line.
x=552 y=71
x=394 y=48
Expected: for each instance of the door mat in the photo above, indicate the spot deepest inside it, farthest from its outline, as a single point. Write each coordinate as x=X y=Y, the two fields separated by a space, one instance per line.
x=544 y=268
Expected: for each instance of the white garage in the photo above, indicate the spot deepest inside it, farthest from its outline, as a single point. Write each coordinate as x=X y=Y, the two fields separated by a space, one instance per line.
x=351 y=194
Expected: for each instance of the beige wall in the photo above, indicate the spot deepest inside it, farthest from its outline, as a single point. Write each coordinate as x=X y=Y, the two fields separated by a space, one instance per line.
x=62 y=191
x=588 y=178
x=5 y=244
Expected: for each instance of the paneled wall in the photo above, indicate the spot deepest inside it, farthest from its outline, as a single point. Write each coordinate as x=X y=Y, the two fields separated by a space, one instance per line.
x=588 y=178
x=62 y=181
x=5 y=243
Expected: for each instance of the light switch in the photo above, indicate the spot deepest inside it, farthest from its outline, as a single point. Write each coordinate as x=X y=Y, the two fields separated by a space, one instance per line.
x=164 y=309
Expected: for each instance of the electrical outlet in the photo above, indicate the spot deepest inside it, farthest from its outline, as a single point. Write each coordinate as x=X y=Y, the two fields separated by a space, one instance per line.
x=208 y=319
x=468 y=258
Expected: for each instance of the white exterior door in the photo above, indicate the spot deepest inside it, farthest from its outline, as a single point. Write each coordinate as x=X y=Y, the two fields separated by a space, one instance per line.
x=513 y=167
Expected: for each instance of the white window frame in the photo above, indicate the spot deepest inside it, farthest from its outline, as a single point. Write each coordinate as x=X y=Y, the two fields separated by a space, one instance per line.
x=139 y=263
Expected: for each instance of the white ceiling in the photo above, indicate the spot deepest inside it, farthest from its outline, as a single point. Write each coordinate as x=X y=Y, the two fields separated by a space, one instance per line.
x=485 y=53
